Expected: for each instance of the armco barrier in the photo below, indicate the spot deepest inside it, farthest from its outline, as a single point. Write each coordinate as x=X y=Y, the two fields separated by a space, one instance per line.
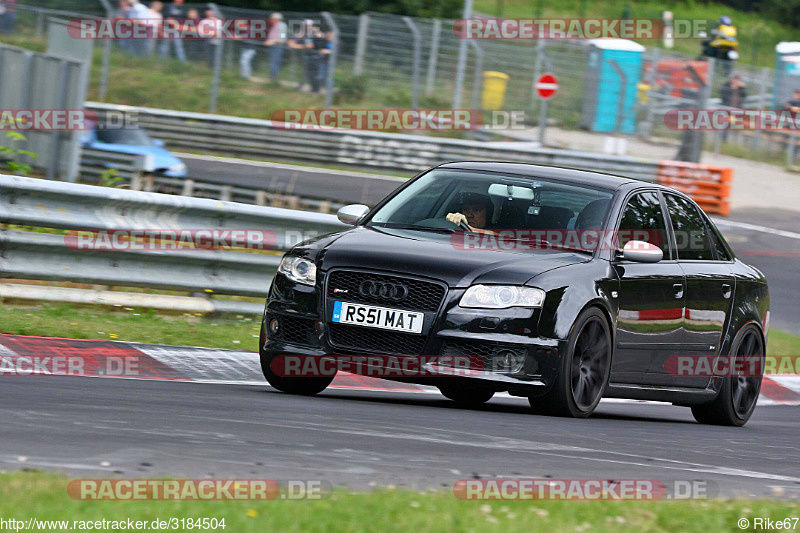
x=708 y=185
x=30 y=255
x=371 y=150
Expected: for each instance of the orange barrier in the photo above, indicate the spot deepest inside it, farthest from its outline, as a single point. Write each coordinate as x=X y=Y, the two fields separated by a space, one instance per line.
x=708 y=185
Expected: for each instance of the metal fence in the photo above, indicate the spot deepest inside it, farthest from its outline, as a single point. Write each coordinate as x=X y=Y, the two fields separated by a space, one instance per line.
x=36 y=255
x=408 y=62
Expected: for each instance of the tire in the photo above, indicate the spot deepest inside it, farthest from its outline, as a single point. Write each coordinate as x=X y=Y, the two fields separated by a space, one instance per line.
x=465 y=395
x=301 y=386
x=738 y=395
x=584 y=370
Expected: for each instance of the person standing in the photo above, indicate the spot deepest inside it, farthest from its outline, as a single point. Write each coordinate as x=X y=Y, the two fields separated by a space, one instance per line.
x=8 y=12
x=154 y=22
x=303 y=42
x=276 y=44
x=174 y=14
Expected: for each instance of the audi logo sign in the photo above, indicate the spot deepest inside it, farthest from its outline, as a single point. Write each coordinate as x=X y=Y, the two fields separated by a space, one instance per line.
x=396 y=292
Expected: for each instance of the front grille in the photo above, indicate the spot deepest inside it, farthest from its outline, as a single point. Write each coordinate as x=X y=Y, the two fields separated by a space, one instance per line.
x=487 y=351
x=422 y=295
x=296 y=330
x=368 y=341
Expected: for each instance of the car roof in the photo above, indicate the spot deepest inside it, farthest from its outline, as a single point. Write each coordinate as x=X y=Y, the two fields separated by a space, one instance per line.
x=582 y=177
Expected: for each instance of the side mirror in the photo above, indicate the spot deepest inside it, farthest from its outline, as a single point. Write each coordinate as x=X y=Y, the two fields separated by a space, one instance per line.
x=351 y=214
x=640 y=252
x=159 y=143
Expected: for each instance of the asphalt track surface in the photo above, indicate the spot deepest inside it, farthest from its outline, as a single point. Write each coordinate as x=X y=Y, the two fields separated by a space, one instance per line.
x=130 y=428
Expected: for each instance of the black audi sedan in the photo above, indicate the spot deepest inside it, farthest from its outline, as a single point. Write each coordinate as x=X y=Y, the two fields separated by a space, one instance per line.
x=567 y=286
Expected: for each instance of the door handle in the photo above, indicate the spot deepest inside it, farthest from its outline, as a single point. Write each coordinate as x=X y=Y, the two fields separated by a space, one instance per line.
x=726 y=290
x=677 y=290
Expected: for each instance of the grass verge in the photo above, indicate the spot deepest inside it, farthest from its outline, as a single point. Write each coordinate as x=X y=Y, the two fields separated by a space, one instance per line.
x=25 y=495
x=129 y=324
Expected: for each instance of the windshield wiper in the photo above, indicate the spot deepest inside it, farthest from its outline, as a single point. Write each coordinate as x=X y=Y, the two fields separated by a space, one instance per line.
x=415 y=227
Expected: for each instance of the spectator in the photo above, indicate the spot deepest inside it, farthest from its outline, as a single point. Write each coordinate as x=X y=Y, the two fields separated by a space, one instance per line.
x=303 y=42
x=276 y=44
x=154 y=21
x=174 y=13
x=325 y=47
x=139 y=13
x=793 y=105
x=733 y=92
x=195 y=45
x=210 y=29
x=8 y=12
x=122 y=13
x=248 y=50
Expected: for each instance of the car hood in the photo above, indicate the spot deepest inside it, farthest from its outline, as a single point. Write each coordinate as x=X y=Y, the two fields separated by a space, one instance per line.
x=436 y=255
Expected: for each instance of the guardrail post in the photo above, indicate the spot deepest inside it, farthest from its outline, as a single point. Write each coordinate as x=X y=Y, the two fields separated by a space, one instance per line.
x=330 y=83
x=433 y=57
x=476 y=80
x=149 y=183
x=651 y=81
x=215 y=77
x=417 y=36
x=361 y=43
x=261 y=198
x=226 y=193
x=763 y=86
x=136 y=181
x=39 y=32
x=188 y=188
x=462 y=60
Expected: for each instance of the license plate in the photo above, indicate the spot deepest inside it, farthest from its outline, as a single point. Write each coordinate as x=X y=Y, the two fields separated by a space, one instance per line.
x=377 y=317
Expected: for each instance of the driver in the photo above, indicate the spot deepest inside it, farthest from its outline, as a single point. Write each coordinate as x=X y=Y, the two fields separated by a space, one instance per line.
x=475 y=210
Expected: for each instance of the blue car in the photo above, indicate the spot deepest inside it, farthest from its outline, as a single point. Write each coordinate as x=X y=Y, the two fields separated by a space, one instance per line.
x=136 y=141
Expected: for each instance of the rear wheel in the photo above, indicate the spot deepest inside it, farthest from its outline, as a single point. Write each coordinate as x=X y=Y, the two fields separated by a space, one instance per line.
x=306 y=386
x=584 y=371
x=465 y=395
x=738 y=395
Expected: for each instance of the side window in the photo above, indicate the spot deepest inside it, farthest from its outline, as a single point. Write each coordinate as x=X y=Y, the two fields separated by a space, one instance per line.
x=716 y=243
x=643 y=220
x=691 y=235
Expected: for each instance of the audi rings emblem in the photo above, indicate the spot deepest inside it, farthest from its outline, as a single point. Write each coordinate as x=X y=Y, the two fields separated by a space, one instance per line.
x=396 y=292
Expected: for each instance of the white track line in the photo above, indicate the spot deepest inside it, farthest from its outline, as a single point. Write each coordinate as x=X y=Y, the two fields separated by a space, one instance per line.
x=753 y=227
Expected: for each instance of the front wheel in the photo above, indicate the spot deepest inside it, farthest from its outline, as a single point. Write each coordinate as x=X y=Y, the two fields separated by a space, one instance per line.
x=738 y=395
x=298 y=385
x=584 y=371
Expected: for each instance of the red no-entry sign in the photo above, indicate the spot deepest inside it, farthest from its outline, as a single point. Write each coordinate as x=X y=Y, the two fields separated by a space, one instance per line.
x=546 y=86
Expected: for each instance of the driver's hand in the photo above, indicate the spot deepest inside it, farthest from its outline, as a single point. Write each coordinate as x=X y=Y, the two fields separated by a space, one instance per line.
x=457 y=219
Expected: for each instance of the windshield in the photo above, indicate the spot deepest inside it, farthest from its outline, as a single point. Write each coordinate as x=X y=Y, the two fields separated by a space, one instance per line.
x=131 y=136
x=496 y=204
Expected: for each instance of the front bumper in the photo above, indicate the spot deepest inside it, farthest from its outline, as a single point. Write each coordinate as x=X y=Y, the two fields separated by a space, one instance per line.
x=454 y=331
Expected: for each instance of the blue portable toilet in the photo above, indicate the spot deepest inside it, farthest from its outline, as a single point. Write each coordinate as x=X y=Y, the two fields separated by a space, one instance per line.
x=787 y=73
x=604 y=88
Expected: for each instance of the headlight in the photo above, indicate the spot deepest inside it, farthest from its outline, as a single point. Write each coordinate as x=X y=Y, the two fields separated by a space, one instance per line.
x=501 y=297
x=180 y=167
x=298 y=269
